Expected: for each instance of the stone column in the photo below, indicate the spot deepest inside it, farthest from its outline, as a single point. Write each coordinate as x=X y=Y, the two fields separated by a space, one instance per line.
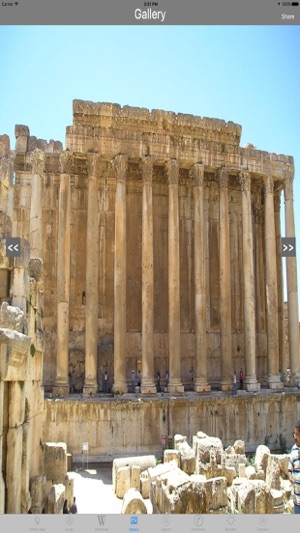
x=36 y=222
x=2 y=484
x=92 y=272
x=225 y=286
x=175 y=384
x=61 y=385
x=271 y=287
x=16 y=412
x=148 y=385
x=292 y=288
x=200 y=379
x=6 y=192
x=251 y=383
x=120 y=385
x=283 y=363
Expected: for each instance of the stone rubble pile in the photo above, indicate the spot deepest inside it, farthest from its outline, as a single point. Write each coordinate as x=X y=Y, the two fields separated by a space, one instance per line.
x=205 y=478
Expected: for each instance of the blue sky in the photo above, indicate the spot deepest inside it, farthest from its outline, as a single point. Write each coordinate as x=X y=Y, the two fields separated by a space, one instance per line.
x=247 y=74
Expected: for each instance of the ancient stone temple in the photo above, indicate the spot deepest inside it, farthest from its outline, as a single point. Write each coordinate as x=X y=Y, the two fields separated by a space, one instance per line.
x=161 y=246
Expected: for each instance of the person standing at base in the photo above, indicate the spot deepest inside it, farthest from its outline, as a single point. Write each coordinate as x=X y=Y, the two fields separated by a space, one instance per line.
x=65 y=508
x=158 y=382
x=132 y=381
x=167 y=380
x=105 y=382
x=234 y=383
x=73 y=508
x=139 y=380
x=294 y=468
x=241 y=379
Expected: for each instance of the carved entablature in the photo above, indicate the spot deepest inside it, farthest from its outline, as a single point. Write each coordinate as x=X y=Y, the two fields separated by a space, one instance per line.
x=147 y=169
x=93 y=164
x=223 y=178
x=269 y=184
x=245 y=181
x=197 y=174
x=66 y=163
x=172 y=170
x=37 y=160
x=120 y=164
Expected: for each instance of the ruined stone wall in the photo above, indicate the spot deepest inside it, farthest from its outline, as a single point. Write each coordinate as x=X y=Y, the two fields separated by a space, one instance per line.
x=21 y=348
x=128 y=427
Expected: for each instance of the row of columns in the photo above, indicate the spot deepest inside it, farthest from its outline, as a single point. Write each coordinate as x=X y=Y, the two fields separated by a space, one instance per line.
x=200 y=380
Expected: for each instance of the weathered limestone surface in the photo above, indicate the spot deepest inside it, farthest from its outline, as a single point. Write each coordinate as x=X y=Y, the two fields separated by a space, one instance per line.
x=143 y=462
x=55 y=499
x=145 y=424
x=133 y=503
x=55 y=461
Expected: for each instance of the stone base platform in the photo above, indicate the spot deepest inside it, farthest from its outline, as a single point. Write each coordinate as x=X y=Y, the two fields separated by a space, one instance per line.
x=135 y=423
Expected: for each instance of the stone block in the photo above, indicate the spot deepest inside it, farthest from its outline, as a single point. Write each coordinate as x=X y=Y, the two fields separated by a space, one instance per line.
x=26 y=455
x=216 y=493
x=242 y=470
x=161 y=469
x=145 y=484
x=250 y=472
x=230 y=473
x=260 y=496
x=261 y=457
x=13 y=470
x=204 y=446
x=239 y=447
x=11 y=317
x=21 y=133
x=37 y=491
x=172 y=455
x=35 y=268
x=285 y=486
x=234 y=460
x=55 y=461
x=187 y=457
x=246 y=499
x=69 y=490
x=55 y=499
x=4 y=145
x=275 y=501
x=16 y=403
x=135 y=477
x=133 y=503
x=273 y=473
x=2 y=492
x=143 y=461
x=122 y=481
x=175 y=478
x=69 y=461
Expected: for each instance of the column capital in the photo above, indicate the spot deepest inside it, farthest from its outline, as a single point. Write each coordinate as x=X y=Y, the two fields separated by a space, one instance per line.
x=66 y=163
x=120 y=164
x=172 y=169
x=245 y=181
x=147 y=169
x=288 y=188
x=93 y=164
x=268 y=183
x=197 y=173
x=37 y=159
x=223 y=178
